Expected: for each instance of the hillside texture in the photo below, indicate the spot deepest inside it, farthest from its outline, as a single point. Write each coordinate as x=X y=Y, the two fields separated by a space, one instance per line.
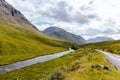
x=20 y=40
x=64 y=35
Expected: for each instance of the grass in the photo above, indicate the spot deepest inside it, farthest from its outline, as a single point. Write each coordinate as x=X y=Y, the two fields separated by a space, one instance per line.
x=85 y=72
x=110 y=46
x=75 y=66
x=41 y=70
x=19 y=43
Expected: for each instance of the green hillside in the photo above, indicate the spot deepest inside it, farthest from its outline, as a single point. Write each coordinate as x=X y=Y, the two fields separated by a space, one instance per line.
x=19 y=42
x=73 y=66
x=110 y=46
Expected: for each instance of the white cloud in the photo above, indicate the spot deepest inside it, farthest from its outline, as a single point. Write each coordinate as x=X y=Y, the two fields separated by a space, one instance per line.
x=88 y=18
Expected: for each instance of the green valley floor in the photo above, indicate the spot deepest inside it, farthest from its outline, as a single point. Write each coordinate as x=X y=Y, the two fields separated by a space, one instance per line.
x=73 y=66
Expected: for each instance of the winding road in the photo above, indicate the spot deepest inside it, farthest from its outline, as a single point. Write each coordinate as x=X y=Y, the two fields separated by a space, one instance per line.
x=21 y=64
x=114 y=59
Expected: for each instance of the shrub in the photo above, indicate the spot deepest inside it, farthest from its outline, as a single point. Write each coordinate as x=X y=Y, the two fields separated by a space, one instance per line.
x=57 y=75
x=75 y=46
x=74 y=65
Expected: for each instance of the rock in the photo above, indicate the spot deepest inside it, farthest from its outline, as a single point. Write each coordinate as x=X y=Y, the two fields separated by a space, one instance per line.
x=99 y=66
x=93 y=66
x=106 y=68
x=11 y=14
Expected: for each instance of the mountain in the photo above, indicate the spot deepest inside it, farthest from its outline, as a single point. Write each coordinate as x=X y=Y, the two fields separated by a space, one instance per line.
x=20 y=40
x=10 y=13
x=62 y=34
x=99 y=39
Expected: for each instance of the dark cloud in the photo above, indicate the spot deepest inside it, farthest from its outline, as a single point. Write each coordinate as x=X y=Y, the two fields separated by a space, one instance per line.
x=62 y=12
x=80 y=18
x=23 y=0
x=109 y=31
x=91 y=2
x=110 y=22
x=59 y=12
x=84 y=7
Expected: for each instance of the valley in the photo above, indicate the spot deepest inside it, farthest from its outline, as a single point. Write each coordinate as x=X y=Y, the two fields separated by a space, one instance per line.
x=27 y=53
x=75 y=65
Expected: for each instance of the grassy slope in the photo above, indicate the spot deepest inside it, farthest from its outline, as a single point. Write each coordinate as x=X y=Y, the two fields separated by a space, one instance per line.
x=37 y=72
x=19 y=43
x=110 y=46
x=85 y=72
x=84 y=58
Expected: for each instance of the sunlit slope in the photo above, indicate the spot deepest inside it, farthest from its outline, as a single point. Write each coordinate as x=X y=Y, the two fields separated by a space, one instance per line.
x=111 y=46
x=18 y=43
x=73 y=66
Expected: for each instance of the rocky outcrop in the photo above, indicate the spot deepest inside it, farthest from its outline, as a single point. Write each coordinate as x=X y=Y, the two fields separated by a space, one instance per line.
x=10 y=13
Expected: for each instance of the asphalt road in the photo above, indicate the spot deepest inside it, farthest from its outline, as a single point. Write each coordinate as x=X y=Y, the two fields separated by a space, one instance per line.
x=21 y=64
x=114 y=59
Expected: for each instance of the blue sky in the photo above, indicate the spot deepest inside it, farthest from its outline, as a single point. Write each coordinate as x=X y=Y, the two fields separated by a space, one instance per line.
x=87 y=18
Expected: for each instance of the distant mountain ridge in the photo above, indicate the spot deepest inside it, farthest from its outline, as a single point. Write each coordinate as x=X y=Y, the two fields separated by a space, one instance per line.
x=62 y=34
x=99 y=39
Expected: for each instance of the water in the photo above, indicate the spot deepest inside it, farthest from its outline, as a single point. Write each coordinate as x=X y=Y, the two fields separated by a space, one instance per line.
x=18 y=65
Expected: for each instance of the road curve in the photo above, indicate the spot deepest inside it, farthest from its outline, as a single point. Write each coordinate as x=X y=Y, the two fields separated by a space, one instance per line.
x=21 y=64
x=114 y=59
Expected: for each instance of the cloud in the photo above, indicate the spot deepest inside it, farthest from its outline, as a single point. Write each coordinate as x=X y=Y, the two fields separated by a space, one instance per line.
x=88 y=18
x=91 y=2
x=64 y=12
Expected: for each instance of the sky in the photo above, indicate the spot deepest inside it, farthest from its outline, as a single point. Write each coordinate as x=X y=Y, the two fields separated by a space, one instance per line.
x=87 y=18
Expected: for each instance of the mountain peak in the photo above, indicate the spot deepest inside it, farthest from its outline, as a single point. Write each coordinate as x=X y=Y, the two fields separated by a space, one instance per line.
x=62 y=34
x=11 y=14
x=55 y=29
